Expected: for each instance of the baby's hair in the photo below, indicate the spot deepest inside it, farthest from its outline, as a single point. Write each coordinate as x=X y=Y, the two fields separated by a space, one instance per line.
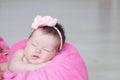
x=52 y=31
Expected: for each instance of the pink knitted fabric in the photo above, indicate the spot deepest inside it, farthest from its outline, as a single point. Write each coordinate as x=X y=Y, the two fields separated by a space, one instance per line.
x=68 y=65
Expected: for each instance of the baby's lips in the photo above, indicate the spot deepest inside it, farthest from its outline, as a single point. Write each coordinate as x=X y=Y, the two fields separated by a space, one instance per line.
x=35 y=57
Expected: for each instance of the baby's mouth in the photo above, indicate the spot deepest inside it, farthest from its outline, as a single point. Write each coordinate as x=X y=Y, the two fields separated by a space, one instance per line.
x=35 y=57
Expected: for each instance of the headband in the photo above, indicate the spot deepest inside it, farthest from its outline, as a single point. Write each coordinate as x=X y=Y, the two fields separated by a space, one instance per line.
x=40 y=21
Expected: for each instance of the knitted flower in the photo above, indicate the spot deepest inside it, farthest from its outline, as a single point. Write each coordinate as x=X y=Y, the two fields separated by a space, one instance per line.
x=40 y=21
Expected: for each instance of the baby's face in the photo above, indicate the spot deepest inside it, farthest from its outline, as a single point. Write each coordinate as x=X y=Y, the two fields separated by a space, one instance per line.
x=40 y=48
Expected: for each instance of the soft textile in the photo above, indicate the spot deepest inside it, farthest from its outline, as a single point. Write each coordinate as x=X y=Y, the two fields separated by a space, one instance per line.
x=68 y=65
x=3 y=46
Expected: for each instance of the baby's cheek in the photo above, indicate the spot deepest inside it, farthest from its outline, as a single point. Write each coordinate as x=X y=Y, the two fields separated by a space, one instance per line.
x=29 y=50
x=49 y=57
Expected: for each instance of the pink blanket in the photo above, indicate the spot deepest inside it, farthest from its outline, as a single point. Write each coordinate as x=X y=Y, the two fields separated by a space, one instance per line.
x=68 y=65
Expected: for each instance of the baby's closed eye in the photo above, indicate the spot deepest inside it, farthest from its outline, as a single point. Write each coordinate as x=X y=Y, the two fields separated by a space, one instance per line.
x=34 y=45
x=47 y=49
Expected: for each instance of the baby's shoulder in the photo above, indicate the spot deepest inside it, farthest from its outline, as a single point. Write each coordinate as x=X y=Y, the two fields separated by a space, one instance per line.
x=19 y=53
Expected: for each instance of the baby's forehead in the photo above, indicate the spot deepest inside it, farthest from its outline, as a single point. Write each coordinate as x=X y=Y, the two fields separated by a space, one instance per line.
x=41 y=36
x=41 y=32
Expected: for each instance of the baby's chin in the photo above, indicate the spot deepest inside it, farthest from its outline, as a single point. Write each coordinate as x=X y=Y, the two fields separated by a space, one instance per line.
x=34 y=62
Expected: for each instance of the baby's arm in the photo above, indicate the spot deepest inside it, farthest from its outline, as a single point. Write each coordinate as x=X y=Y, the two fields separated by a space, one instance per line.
x=16 y=63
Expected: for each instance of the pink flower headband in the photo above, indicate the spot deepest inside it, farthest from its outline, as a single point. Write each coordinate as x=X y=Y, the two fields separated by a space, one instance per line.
x=40 y=21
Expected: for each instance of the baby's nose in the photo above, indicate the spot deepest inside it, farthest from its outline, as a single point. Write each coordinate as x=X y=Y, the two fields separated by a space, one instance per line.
x=38 y=50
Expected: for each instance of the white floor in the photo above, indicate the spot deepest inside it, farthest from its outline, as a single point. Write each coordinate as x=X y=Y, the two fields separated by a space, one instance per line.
x=93 y=26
